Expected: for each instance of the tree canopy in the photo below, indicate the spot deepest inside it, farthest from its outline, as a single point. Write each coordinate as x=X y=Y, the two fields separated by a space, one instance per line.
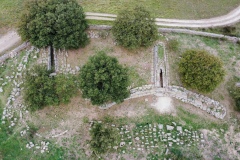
x=134 y=28
x=200 y=70
x=103 y=79
x=57 y=23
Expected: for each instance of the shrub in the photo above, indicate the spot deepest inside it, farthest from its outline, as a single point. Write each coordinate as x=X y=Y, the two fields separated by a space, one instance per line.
x=66 y=87
x=201 y=71
x=41 y=89
x=135 y=28
x=103 y=79
x=57 y=23
x=235 y=91
x=103 y=138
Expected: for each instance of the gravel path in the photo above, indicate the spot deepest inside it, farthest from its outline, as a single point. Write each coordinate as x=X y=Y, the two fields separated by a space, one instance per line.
x=228 y=19
x=8 y=40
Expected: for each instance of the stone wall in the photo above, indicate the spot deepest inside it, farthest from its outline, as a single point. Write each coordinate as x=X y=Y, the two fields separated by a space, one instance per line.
x=199 y=33
x=14 y=52
x=172 y=30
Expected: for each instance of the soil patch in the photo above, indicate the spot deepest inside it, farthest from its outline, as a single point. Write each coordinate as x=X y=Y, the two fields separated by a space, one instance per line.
x=164 y=105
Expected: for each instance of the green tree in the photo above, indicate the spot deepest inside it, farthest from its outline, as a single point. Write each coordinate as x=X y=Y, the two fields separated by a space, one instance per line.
x=135 y=28
x=66 y=87
x=103 y=79
x=41 y=89
x=200 y=70
x=103 y=138
x=56 y=23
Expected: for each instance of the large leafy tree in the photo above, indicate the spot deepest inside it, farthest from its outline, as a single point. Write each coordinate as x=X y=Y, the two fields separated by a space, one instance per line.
x=200 y=70
x=103 y=79
x=56 y=23
x=134 y=28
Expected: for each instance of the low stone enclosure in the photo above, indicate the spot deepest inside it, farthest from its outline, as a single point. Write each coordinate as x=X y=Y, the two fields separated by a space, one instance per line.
x=161 y=88
x=160 y=80
x=140 y=138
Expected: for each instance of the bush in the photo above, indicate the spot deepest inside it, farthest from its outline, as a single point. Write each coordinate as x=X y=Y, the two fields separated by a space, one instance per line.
x=201 y=71
x=57 y=23
x=135 y=28
x=235 y=91
x=103 y=79
x=103 y=138
x=41 y=89
x=66 y=87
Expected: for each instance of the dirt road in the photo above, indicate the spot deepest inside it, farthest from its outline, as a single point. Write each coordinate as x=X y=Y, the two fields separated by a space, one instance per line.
x=11 y=38
x=228 y=19
x=8 y=40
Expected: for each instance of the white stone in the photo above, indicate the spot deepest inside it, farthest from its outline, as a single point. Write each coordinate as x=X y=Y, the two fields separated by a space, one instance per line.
x=137 y=138
x=169 y=128
x=77 y=68
x=1 y=90
x=160 y=126
x=122 y=144
x=179 y=128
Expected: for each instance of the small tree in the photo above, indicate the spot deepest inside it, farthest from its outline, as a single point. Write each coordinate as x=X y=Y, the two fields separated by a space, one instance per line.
x=135 y=28
x=103 y=138
x=56 y=23
x=41 y=89
x=103 y=79
x=200 y=70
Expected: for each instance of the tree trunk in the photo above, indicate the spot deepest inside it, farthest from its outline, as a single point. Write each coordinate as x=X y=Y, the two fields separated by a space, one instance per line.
x=52 y=60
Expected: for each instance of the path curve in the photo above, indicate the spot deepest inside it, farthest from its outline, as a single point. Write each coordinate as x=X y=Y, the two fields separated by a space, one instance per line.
x=225 y=20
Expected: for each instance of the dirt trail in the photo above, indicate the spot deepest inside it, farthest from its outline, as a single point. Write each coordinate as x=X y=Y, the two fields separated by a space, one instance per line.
x=228 y=19
x=8 y=40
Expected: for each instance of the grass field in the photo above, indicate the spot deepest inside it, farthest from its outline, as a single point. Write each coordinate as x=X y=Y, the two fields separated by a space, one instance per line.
x=184 y=9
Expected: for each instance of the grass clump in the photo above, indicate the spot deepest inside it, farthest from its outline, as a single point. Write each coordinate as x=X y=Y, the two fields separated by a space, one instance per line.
x=160 y=52
x=173 y=45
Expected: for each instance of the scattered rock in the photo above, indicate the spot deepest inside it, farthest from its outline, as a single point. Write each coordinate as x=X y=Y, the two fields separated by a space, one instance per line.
x=169 y=128
x=122 y=144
